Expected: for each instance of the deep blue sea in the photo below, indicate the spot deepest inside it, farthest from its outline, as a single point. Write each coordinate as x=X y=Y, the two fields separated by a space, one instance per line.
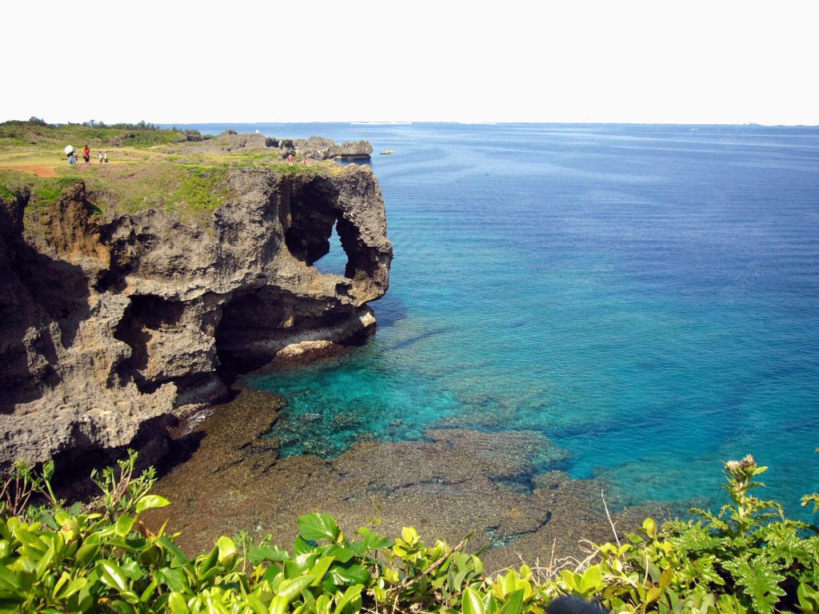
x=645 y=296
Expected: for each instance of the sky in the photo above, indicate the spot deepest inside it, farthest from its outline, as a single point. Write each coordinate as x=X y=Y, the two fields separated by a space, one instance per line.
x=632 y=61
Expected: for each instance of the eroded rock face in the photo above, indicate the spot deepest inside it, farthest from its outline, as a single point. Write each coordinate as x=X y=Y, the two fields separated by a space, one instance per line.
x=109 y=329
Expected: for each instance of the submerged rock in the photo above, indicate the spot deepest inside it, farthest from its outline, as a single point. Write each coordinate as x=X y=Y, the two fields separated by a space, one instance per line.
x=112 y=329
x=501 y=487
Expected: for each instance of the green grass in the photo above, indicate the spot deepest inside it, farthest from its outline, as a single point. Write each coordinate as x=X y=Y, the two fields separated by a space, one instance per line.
x=203 y=188
x=47 y=191
x=11 y=184
x=22 y=134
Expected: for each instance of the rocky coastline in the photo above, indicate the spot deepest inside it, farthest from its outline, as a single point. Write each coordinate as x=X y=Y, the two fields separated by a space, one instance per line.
x=113 y=327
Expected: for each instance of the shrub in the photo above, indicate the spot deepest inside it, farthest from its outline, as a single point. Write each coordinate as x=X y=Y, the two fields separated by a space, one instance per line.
x=100 y=557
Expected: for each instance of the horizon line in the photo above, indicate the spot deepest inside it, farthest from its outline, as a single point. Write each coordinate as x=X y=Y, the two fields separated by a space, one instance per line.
x=495 y=123
x=456 y=122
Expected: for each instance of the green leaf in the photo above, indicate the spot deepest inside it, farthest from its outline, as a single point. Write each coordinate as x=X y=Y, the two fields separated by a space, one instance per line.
x=354 y=574
x=64 y=577
x=459 y=569
x=514 y=603
x=759 y=580
x=111 y=575
x=570 y=580
x=271 y=574
x=653 y=594
x=320 y=568
x=342 y=555
x=297 y=566
x=146 y=594
x=300 y=546
x=30 y=539
x=44 y=564
x=61 y=516
x=808 y=598
x=205 y=563
x=10 y=580
x=175 y=579
x=123 y=525
x=289 y=589
x=178 y=555
x=323 y=603
x=591 y=580
x=86 y=553
x=149 y=502
x=373 y=541
x=256 y=604
x=314 y=527
x=351 y=598
x=257 y=554
x=120 y=607
x=74 y=586
x=278 y=605
x=177 y=604
x=472 y=603
x=410 y=535
x=227 y=551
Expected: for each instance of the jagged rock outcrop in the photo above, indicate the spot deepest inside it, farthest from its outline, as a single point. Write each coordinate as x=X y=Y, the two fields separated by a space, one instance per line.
x=325 y=149
x=315 y=148
x=111 y=328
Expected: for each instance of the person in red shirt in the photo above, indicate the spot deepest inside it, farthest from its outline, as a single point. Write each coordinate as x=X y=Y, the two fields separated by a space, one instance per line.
x=86 y=154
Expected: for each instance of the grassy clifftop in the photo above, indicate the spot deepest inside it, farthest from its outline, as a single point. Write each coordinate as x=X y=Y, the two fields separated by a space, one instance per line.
x=19 y=134
x=148 y=167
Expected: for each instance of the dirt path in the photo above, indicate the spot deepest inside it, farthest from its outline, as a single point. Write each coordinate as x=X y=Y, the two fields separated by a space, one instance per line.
x=40 y=171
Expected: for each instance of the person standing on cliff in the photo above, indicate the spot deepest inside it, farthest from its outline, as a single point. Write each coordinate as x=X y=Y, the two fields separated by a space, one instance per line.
x=86 y=154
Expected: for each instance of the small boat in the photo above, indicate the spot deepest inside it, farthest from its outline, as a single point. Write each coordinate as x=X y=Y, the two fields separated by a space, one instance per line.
x=387 y=152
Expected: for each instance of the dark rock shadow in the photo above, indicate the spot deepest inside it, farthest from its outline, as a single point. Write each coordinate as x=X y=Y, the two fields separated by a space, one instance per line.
x=145 y=312
x=73 y=467
x=389 y=309
x=59 y=287
x=38 y=290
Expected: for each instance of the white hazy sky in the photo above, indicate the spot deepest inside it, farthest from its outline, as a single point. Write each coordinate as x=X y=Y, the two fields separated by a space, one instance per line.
x=692 y=61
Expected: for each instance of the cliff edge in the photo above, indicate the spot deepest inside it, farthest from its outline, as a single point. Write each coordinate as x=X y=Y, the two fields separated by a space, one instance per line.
x=114 y=325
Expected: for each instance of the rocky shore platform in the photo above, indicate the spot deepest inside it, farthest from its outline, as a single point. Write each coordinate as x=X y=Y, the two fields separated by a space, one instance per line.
x=453 y=483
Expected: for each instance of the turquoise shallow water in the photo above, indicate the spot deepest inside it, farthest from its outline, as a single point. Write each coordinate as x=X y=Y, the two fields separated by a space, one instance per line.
x=646 y=296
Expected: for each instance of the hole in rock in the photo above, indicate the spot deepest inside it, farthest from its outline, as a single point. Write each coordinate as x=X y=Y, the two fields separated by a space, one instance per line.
x=316 y=232
x=335 y=261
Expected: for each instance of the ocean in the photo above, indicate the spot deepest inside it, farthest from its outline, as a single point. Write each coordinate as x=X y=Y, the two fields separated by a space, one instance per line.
x=646 y=296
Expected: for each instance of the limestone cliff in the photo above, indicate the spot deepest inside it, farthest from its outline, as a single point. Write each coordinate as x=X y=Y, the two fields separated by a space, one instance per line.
x=112 y=327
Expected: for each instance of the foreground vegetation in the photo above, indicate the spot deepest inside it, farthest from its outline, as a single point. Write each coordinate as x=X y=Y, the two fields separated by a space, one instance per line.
x=99 y=557
x=149 y=168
